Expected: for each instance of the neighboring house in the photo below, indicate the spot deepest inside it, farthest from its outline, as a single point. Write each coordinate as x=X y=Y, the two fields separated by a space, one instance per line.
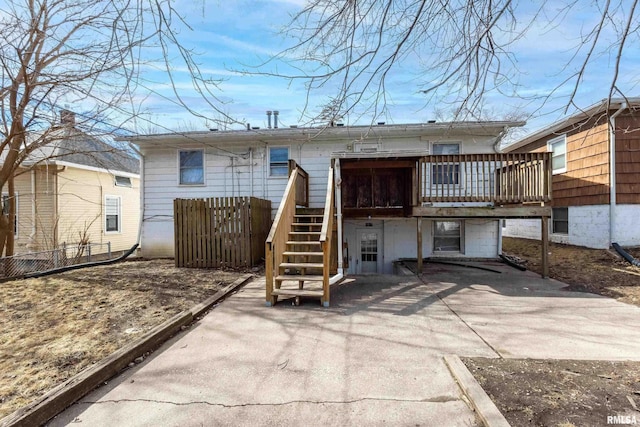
x=596 y=176
x=77 y=188
x=445 y=179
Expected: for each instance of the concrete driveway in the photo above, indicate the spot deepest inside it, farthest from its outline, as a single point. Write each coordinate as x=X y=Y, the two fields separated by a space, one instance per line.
x=373 y=358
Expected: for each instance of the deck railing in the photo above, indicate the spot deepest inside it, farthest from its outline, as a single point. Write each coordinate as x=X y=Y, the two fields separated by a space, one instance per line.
x=326 y=233
x=511 y=178
x=276 y=242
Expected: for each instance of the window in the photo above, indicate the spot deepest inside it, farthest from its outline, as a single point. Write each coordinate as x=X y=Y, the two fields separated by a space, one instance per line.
x=447 y=236
x=445 y=173
x=191 y=167
x=279 y=161
x=558 y=148
x=112 y=214
x=123 y=181
x=5 y=211
x=560 y=219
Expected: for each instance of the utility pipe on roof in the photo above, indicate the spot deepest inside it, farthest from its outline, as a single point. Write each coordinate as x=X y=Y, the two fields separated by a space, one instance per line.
x=612 y=171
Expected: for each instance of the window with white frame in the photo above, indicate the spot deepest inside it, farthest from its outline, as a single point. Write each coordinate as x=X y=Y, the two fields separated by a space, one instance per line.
x=191 y=164
x=6 y=208
x=445 y=173
x=278 y=161
x=122 y=181
x=112 y=214
x=447 y=236
x=560 y=220
x=558 y=148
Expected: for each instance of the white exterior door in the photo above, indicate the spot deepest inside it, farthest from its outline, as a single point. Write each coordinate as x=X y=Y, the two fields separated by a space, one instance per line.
x=369 y=259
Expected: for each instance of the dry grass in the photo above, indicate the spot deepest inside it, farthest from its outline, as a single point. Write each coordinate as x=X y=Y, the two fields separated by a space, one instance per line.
x=53 y=327
x=591 y=270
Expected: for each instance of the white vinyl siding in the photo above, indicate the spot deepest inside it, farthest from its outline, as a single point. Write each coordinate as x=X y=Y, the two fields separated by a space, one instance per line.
x=112 y=214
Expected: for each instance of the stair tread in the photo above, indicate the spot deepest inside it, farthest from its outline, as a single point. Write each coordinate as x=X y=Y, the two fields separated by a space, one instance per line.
x=310 y=233
x=308 y=215
x=302 y=264
x=308 y=224
x=297 y=292
x=303 y=242
x=301 y=253
x=302 y=277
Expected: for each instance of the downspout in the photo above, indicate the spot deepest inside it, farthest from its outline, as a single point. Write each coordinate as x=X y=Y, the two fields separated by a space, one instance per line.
x=32 y=237
x=139 y=153
x=612 y=170
x=498 y=141
x=338 y=184
x=251 y=169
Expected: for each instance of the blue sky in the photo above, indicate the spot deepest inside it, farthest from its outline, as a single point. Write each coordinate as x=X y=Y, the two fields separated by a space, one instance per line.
x=239 y=35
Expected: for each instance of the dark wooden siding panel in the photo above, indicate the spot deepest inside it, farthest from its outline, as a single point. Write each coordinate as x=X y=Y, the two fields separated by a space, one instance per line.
x=586 y=181
x=628 y=159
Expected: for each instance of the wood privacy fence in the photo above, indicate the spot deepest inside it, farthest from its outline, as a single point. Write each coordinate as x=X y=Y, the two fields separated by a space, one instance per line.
x=220 y=232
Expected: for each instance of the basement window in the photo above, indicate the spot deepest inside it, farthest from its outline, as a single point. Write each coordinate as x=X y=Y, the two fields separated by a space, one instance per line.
x=560 y=220
x=447 y=236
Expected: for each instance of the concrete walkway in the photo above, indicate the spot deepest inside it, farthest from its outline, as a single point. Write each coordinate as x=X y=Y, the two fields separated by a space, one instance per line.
x=373 y=358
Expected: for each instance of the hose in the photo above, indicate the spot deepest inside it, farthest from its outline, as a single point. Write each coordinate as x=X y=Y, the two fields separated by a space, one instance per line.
x=625 y=255
x=79 y=266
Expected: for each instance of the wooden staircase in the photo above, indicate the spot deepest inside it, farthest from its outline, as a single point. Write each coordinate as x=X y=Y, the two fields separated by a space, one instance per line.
x=298 y=249
x=303 y=258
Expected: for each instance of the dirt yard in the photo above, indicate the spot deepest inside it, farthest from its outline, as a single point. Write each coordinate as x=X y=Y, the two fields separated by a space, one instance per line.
x=55 y=326
x=588 y=270
x=568 y=393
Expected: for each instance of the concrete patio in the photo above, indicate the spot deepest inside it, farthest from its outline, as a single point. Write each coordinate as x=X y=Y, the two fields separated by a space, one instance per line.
x=375 y=357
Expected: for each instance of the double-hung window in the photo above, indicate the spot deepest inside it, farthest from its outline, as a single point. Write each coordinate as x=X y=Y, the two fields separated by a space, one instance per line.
x=112 y=214
x=445 y=173
x=558 y=148
x=191 y=163
x=278 y=161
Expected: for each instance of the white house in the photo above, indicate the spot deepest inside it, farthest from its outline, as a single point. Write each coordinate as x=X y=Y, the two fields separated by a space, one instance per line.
x=443 y=184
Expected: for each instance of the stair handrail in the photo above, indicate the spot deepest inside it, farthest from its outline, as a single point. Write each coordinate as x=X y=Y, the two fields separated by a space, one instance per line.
x=275 y=244
x=326 y=233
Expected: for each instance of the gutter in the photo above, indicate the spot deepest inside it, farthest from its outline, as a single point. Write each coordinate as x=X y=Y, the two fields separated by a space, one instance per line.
x=612 y=170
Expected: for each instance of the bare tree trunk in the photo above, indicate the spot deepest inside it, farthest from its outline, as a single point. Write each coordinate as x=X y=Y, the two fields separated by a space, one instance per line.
x=10 y=247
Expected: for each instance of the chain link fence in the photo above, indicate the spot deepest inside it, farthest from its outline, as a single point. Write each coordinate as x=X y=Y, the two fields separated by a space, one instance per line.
x=34 y=262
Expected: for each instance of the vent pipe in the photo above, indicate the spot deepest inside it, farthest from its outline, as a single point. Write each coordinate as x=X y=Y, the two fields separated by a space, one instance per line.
x=275 y=119
x=269 y=120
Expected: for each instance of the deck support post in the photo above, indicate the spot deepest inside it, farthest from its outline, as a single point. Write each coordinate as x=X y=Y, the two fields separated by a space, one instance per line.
x=419 y=244
x=545 y=247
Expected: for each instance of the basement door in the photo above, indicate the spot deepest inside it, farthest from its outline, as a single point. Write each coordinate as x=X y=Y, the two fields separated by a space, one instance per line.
x=369 y=259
